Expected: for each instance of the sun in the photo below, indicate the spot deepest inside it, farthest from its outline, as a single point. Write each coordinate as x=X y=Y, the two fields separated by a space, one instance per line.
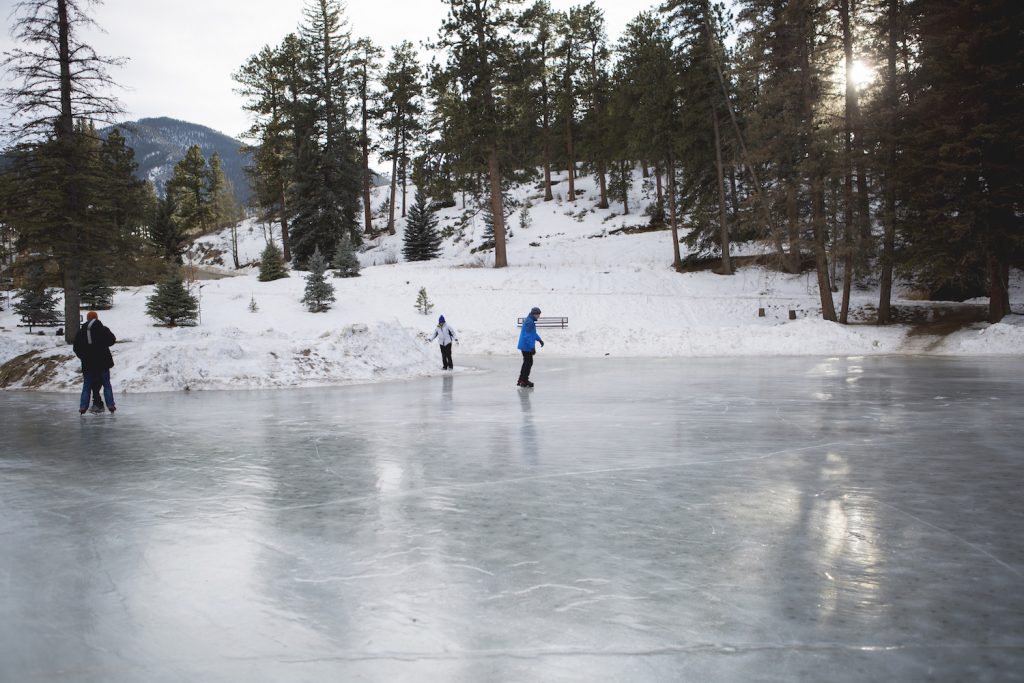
x=862 y=73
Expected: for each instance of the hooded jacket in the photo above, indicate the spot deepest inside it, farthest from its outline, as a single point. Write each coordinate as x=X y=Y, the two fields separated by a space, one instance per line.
x=92 y=346
x=444 y=333
x=528 y=336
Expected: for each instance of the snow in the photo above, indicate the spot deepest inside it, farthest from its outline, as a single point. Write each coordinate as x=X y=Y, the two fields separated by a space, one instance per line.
x=619 y=292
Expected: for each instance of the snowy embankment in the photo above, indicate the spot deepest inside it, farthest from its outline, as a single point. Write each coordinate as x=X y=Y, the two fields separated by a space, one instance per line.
x=617 y=290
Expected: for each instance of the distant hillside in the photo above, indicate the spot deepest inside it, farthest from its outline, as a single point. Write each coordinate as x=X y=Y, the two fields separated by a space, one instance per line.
x=161 y=143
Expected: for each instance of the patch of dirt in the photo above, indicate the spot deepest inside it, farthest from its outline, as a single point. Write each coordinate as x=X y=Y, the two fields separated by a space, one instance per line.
x=31 y=370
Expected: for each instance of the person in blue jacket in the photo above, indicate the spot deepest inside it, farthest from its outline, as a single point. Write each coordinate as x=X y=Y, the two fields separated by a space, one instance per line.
x=528 y=338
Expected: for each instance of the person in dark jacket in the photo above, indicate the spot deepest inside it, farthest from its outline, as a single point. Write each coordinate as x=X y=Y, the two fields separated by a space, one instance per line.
x=528 y=339
x=92 y=346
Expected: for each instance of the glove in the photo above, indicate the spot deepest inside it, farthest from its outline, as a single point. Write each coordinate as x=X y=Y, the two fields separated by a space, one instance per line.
x=541 y=343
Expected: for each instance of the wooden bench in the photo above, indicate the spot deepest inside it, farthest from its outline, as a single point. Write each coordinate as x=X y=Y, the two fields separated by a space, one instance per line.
x=547 y=322
x=43 y=321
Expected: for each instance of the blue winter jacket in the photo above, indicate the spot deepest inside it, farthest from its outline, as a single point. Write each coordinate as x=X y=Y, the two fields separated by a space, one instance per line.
x=528 y=336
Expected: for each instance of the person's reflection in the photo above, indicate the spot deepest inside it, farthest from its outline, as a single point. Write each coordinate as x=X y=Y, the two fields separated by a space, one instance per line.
x=528 y=432
x=447 y=384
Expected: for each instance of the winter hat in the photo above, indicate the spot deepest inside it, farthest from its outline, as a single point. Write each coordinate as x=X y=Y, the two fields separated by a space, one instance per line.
x=92 y=315
x=535 y=310
x=440 y=320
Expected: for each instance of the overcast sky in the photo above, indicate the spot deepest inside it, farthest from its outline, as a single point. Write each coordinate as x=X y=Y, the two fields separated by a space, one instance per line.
x=182 y=52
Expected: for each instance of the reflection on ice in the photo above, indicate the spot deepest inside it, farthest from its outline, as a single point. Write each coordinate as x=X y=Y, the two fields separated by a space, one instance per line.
x=641 y=519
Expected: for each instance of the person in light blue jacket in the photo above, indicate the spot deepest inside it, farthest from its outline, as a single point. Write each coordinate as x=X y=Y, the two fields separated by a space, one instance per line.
x=528 y=339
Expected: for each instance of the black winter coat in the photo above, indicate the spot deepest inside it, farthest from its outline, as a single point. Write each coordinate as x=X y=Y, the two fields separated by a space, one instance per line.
x=92 y=346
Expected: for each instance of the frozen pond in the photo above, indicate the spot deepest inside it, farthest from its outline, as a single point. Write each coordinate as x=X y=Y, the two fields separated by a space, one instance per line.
x=670 y=520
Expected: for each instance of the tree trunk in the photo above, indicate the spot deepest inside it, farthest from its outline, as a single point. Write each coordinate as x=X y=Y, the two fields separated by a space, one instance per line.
x=828 y=307
x=547 y=169
x=998 y=289
x=494 y=171
x=284 y=223
x=888 y=181
x=72 y=199
x=793 y=222
x=657 y=187
x=723 y=226
x=404 y=174
x=394 y=188
x=367 y=213
x=571 y=160
x=677 y=261
x=626 y=172
x=234 y=245
x=643 y=168
x=603 y=185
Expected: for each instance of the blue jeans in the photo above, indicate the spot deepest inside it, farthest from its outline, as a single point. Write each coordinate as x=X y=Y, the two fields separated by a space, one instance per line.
x=93 y=377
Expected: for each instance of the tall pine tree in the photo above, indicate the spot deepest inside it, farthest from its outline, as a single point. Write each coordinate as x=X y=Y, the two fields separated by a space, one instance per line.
x=421 y=241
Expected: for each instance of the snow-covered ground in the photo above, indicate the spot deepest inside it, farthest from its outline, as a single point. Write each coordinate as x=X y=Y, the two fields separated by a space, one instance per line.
x=618 y=291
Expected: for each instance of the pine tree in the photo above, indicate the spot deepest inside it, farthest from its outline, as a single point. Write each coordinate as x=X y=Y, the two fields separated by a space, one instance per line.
x=476 y=36
x=421 y=241
x=346 y=263
x=36 y=303
x=272 y=264
x=189 y=191
x=525 y=219
x=61 y=79
x=166 y=234
x=223 y=208
x=171 y=302
x=963 y=165
x=327 y=184
x=400 y=114
x=319 y=292
x=487 y=217
x=423 y=304
x=97 y=293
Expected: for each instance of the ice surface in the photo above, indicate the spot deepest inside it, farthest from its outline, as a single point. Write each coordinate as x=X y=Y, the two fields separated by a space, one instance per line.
x=651 y=520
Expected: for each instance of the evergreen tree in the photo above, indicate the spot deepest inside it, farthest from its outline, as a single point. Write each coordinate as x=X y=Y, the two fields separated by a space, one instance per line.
x=476 y=35
x=61 y=79
x=319 y=292
x=269 y=83
x=36 y=303
x=525 y=219
x=327 y=185
x=171 y=303
x=97 y=294
x=223 y=208
x=487 y=217
x=272 y=264
x=964 y=165
x=400 y=114
x=346 y=263
x=423 y=303
x=421 y=241
x=189 y=191
x=166 y=234
x=123 y=206
x=366 y=66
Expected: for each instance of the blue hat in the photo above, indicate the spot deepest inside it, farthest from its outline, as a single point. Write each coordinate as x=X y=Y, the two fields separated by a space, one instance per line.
x=535 y=310
x=440 y=320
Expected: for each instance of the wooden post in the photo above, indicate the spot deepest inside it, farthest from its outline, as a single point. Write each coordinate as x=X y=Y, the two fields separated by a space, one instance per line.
x=792 y=314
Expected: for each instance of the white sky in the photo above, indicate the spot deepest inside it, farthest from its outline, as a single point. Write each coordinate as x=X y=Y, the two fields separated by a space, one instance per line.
x=182 y=52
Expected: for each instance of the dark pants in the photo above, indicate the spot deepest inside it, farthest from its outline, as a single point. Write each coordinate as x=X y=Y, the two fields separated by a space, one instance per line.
x=96 y=379
x=446 y=357
x=524 y=372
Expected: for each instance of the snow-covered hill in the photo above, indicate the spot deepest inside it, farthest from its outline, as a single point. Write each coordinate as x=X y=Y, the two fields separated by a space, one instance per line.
x=616 y=287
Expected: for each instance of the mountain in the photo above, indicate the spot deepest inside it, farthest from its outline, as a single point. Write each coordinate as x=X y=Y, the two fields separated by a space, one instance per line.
x=160 y=143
